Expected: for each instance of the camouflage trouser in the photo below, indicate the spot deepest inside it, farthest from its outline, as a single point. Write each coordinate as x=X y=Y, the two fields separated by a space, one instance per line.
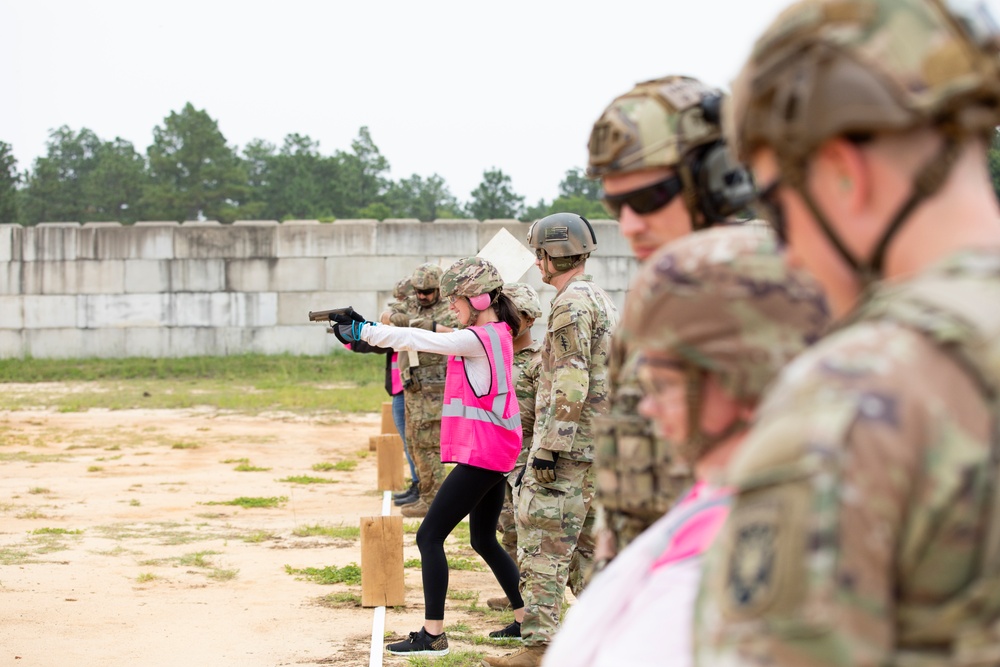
x=507 y=523
x=555 y=538
x=423 y=435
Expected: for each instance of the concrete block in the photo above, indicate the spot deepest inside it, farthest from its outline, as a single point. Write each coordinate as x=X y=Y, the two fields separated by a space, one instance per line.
x=103 y=343
x=305 y=274
x=202 y=341
x=612 y=273
x=181 y=275
x=140 y=241
x=104 y=311
x=294 y=307
x=11 y=344
x=50 y=241
x=53 y=343
x=487 y=230
x=368 y=273
x=147 y=276
x=11 y=278
x=418 y=238
x=11 y=312
x=147 y=341
x=340 y=239
x=201 y=241
x=201 y=223
x=78 y=277
x=50 y=312
x=223 y=309
x=157 y=223
x=7 y=242
x=610 y=242
x=255 y=223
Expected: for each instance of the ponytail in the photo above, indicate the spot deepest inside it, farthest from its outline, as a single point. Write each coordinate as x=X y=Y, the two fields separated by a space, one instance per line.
x=506 y=310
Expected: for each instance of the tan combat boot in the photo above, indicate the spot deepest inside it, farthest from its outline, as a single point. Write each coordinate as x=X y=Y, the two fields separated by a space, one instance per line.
x=415 y=510
x=498 y=604
x=529 y=656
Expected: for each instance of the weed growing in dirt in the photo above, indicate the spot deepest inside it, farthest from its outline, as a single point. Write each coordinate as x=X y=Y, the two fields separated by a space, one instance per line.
x=94 y=468
x=246 y=467
x=13 y=556
x=197 y=559
x=349 y=574
x=218 y=574
x=185 y=445
x=36 y=490
x=339 y=600
x=465 y=564
x=146 y=577
x=32 y=514
x=25 y=457
x=463 y=595
x=336 y=532
x=411 y=527
x=248 y=503
x=454 y=659
x=411 y=562
x=307 y=479
x=56 y=531
x=228 y=461
x=258 y=536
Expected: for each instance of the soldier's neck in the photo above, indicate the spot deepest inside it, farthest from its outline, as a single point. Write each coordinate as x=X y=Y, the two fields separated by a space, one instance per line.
x=562 y=279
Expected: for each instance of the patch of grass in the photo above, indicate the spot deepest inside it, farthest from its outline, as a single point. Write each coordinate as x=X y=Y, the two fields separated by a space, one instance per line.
x=185 y=445
x=339 y=600
x=411 y=527
x=134 y=503
x=307 y=479
x=94 y=468
x=245 y=502
x=12 y=556
x=56 y=531
x=246 y=467
x=453 y=659
x=32 y=514
x=198 y=559
x=243 y=460
x=411 y=562
x=25 y=457
x=146 y=577
x=35 y=490
x=362 y=453
x=218 y=574
x=346 y=465
x=351 y=382
x=465 y=564
x=349 y=574
x=336 y=532
x=463 y=595
x=258 y=536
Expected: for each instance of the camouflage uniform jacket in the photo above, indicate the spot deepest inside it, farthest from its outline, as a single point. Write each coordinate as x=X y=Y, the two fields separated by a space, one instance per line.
x=636 y=472
x=864 y=491
x=573 y=387
x=527 y=368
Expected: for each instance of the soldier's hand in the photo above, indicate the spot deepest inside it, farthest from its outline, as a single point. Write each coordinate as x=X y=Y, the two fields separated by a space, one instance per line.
x=544 y=465
x=399 y=320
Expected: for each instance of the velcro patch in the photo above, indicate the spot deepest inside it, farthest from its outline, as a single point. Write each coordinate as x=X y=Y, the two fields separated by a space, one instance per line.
x=751 y=564
x=565 y=342
x=557 y=234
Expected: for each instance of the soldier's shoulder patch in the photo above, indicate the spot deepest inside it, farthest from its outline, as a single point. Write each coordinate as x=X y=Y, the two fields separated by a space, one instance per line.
x=565 y=342
x=753 y=556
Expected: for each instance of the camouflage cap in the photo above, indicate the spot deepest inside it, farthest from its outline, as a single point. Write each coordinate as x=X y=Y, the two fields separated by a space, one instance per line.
x=426 y=276
x=655 y=124
x=525 y=299
x=470 y=277
x=403 y=289
x=827 y=68
x=724 y=300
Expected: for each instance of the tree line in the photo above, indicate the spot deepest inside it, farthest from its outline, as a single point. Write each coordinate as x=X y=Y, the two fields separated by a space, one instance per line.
x=190 y=172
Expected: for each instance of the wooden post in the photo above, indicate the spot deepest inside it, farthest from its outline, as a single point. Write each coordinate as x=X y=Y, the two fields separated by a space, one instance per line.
x=388 y=425
x=390 y=462
x=373 y=443
x=382 y=561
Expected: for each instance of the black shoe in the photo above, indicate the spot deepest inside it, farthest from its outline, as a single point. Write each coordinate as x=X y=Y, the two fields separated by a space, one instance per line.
x=409 y=492
x=407 y=499
x=512 y=631
x=420 y=643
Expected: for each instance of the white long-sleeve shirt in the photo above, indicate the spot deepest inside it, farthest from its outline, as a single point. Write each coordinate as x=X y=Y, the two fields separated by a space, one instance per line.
x=460 y=343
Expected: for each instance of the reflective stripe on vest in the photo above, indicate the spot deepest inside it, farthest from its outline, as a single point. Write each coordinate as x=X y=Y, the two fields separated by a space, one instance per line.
x=455 y=408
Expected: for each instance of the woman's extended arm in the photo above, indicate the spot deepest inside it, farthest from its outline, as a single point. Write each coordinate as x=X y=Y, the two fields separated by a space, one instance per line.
x=458 y=343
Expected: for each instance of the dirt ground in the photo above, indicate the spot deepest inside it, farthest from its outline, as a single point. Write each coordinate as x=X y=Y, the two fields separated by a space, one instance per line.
x=110 y=553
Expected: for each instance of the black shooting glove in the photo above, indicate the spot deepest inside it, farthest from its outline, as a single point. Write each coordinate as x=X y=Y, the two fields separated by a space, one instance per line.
x=544 y=465
x=348 y=316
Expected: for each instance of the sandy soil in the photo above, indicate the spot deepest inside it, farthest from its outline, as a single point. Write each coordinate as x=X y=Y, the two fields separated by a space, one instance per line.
x=150 y=574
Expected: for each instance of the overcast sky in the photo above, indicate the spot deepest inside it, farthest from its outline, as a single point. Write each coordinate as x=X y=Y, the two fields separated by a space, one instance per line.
x=452 y=87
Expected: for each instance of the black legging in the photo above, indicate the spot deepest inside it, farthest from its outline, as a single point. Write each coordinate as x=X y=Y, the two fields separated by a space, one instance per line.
x=479 y=493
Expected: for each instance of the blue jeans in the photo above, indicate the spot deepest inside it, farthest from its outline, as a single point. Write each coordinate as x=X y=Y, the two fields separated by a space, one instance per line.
x=399 y=417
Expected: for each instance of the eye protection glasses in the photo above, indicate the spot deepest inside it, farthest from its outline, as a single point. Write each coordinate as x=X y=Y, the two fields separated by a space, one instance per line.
x=644 y=200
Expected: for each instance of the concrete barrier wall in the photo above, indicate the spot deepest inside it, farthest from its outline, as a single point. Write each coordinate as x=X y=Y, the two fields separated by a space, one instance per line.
x=200 y=288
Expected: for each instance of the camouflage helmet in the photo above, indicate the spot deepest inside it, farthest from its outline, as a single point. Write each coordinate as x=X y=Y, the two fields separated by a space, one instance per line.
x=563 y=235
x=725 y=302
x=402 y=289
x=426 y=276
x=525 y=299
x=859 y=68
x=675 y=123
x=470 y=277
x=900 y=64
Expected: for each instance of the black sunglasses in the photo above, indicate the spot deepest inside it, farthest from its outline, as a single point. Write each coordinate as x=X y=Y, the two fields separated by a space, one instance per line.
x=769 y=207
x=426 y=292
x=645 y=200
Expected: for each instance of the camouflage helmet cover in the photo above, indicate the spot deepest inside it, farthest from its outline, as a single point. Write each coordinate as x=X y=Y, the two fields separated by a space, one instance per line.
x=563 y=235
x=402 y=289
x=655 y=124
x=525 y=299
x=470 y=277
x=426 y=276
x=725 y=301
x=900 y=64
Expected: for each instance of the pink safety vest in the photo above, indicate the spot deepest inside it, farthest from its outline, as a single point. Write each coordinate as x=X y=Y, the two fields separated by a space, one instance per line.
x=482 y=431
x=397 y=380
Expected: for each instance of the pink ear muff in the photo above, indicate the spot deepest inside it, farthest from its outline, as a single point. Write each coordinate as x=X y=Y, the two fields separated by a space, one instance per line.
x=480 y=302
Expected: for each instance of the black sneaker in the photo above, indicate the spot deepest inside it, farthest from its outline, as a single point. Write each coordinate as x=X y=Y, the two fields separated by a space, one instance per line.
x=407 y=499
x=409 y=492
x=512 y=631
x=420 y=643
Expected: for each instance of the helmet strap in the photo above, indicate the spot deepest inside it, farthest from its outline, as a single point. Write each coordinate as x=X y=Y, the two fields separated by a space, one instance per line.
x=928 y=181
x=691 y=198
x=699 y=442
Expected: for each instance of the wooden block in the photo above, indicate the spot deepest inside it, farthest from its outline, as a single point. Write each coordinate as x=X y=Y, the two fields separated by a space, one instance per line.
x=382 y=561
x=390 y=462
x=388 y=425
x=373 y=443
